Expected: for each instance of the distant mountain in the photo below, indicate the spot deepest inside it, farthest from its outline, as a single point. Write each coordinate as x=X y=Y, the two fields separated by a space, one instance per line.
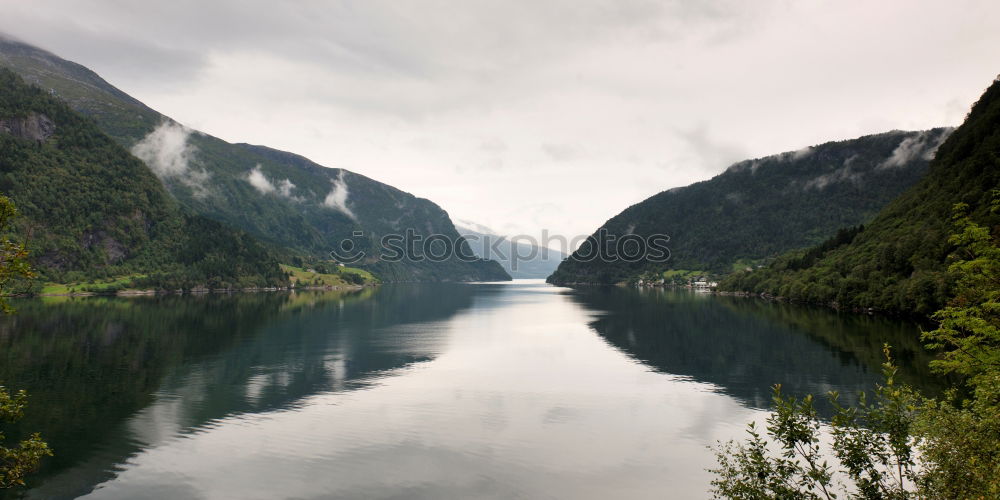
x=521 y=260
x=758 y=209
x=279 y=197
x=89 y=209
x=898 y=262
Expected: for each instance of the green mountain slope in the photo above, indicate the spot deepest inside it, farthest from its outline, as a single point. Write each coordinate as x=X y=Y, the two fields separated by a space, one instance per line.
x=279 y=197
x=898 y=262
x=758 y=209
x=89 y=209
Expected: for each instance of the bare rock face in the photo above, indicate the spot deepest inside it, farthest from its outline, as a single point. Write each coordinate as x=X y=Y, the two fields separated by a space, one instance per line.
x=114 y=251
x=34 y=127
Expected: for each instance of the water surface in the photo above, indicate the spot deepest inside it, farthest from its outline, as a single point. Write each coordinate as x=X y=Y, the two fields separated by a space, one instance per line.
x=514 y=390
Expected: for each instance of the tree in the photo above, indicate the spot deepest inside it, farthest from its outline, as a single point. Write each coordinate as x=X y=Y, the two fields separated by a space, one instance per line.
x=903 y=445
x=961 y=442
x=969 y=327
x=22 y=458
x=872 y=444
x=13 y=256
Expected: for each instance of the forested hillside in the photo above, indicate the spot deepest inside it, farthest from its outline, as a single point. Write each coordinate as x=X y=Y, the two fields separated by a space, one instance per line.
x=278 y=197
x=758 y=209
x=898 y=262
x=89 y=209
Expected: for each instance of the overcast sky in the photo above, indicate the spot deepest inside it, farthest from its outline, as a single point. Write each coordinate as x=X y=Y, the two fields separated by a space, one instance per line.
x=531 y=115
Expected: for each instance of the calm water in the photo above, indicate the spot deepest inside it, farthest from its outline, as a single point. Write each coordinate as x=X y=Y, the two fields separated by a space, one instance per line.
x=516 y=390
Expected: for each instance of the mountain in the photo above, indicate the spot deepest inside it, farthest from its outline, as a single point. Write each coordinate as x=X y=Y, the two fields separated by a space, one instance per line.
x=756 y=209
x=278 y=197
x=898 y=262
x=521 y=259
x=89 y=209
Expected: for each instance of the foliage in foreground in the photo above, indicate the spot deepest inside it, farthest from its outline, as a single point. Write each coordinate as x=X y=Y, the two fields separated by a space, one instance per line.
x=13 y=256
x=901 y=445
x=22 y=458
x=961 y=436
x=871 y=443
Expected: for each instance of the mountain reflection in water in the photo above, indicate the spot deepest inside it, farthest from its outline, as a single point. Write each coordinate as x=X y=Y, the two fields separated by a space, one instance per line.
x=418 y=391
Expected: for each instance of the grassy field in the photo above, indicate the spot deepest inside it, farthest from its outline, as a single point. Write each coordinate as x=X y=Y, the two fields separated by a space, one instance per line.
x=110 y=284
x=305 y=277
x=346 y=276
x=682 y=274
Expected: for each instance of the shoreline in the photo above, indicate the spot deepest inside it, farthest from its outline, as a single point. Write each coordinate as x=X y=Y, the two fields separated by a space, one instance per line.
x=198 y=291
x=870 y=311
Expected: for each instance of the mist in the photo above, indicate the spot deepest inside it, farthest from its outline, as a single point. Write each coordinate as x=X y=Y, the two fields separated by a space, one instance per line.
x=338 y=196
x=168 y=153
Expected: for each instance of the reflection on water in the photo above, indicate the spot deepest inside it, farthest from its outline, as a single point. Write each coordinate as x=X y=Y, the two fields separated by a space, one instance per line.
x=419 y=391
x=744 y=346
x=170 y=364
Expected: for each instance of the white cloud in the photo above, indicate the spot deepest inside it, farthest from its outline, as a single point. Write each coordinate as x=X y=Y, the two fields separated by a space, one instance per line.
x=256 y=179
x=168 y=153
x=285 y=188
x=259 y=181
x=802 y=153
x=353 y=84
x=913 y=147
x=843 y=174
x=920 y=146
x=338 y=196
x=166 y=150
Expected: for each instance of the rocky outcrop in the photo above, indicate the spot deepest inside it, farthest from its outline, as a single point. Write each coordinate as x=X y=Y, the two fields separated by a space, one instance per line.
x=35 y=127
x=114 y=251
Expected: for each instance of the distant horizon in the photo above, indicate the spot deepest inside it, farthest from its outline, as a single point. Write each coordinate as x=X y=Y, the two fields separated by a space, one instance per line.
x=555 y=117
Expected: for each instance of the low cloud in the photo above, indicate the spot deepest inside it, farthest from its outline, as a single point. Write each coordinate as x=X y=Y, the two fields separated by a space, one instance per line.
x=260 y=182
x=257 y=180
x=616 y=78
x=844 y=174
x=802 y=153
x=337 y=198
x=167 y=152
x=916 y=147
x=920 y=146
x=285 y=188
